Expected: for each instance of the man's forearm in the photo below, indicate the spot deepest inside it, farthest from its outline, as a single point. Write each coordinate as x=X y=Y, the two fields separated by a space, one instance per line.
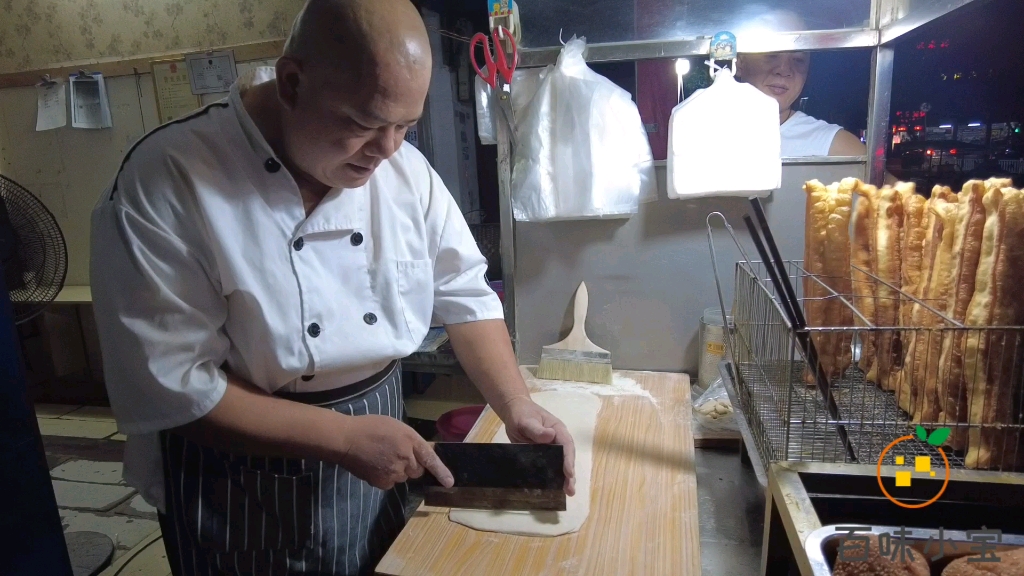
x=485 y=353
x=247 y=420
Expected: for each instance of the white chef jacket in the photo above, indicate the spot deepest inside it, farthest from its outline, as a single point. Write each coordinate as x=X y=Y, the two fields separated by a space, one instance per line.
x=203 y=259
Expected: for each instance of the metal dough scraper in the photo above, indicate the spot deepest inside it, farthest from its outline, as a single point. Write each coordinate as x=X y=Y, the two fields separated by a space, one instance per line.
x=499 y=477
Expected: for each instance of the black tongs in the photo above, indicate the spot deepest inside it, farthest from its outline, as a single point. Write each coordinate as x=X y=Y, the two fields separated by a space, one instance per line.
x=791 y=306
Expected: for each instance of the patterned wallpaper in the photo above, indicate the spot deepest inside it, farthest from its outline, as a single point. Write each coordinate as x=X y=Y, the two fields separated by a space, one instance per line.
x=42 y=33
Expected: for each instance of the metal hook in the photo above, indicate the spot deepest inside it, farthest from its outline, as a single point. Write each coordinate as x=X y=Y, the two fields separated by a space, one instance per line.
x=714 y=68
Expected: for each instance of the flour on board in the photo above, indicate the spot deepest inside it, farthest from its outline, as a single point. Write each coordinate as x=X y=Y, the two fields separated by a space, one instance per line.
x=620 y=386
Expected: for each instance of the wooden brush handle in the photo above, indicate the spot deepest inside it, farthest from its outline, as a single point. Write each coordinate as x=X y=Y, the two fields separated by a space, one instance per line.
x=577 y=338
x=578 y=335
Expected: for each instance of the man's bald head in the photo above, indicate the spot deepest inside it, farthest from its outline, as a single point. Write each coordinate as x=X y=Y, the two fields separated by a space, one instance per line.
x=359 y=39
x=353 y=78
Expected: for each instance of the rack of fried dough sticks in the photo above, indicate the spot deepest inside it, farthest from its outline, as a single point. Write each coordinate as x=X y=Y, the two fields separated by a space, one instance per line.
x=916 y=306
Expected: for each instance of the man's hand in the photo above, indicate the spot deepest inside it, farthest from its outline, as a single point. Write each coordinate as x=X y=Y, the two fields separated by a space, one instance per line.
x=485 y=352
x=384 y=452
x=526 y=422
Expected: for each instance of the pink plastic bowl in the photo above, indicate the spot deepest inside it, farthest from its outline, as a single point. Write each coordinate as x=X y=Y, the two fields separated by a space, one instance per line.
x=454 y=425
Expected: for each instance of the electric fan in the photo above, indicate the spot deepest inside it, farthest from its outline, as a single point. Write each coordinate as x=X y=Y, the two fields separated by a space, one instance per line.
x=35 y=257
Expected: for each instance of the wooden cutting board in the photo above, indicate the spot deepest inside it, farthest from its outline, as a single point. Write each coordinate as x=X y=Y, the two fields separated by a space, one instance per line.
x=643 y=508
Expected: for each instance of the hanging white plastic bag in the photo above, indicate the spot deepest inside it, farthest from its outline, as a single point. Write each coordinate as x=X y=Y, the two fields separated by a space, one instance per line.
x=713 y=410
x=724 y=141
x=524 y=86
x=525 y=82
x=484 y=111
x=583 y=152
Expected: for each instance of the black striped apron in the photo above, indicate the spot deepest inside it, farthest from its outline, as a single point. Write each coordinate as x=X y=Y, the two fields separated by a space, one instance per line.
x=237 y=514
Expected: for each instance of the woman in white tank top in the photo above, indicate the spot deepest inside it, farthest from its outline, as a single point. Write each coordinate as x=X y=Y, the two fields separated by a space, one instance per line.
x=782 y=76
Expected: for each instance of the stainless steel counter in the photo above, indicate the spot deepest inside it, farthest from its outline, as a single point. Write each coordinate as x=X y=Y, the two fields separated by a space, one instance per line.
x=803 y=497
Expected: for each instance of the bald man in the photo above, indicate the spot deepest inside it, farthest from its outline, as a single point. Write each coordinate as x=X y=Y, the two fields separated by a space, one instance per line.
x=258 y=268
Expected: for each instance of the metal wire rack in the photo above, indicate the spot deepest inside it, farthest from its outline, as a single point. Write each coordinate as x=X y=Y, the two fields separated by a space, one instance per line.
x=787 y=417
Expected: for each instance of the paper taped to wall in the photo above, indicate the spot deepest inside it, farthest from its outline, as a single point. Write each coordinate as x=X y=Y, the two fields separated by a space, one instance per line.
x=51 y=106
x=89 y=105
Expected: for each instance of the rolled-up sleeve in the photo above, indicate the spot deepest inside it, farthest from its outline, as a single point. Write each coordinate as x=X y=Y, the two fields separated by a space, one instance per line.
x=159 y=311
x=461 y=293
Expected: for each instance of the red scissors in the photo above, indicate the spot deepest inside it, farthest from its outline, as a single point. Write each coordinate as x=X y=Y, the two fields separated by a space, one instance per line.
x=499 y=61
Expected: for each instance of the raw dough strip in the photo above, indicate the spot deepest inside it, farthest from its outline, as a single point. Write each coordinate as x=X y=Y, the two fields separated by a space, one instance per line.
x=952 y=388
x=578 y=411
x=993 y=359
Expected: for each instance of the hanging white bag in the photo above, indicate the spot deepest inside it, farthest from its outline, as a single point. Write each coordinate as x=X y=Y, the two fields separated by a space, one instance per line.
x=583 y=152
x=724 y=141
x=484 y=111
x=524 y=86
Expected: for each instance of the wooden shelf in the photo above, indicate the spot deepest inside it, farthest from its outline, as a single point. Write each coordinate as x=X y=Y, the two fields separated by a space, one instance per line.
x=74 y=295
x=444 y=393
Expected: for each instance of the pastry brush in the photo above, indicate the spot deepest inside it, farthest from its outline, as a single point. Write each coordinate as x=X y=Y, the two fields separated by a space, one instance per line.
x=576 y=358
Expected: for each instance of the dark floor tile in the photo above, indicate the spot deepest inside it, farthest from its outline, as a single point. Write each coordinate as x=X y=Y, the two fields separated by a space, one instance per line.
x=54 y=460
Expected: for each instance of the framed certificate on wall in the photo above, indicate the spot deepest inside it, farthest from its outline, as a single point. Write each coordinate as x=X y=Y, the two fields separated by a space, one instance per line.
x=174 y=97
x=211 y=72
